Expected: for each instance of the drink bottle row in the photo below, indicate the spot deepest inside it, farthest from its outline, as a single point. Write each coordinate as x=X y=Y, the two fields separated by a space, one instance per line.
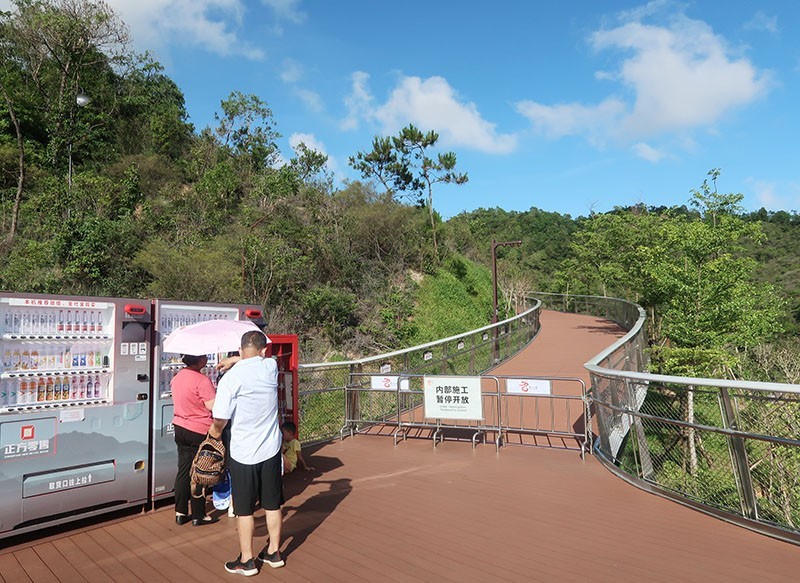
x=167 y=374
x=51 y=389
x=52 y=357
x=172 y=321
x=52 y=323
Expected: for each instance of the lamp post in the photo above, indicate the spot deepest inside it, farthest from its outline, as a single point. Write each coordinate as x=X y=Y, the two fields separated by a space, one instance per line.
x=81 y=100
x=495 y=245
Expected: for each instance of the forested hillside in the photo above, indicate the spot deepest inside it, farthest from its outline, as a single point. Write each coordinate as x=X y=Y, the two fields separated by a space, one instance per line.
x=106 y=188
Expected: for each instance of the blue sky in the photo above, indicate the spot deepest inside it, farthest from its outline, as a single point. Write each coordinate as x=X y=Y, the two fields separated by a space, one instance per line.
x=573 y=106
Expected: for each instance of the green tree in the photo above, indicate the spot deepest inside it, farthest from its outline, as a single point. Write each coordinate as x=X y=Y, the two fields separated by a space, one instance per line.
x=406 y=168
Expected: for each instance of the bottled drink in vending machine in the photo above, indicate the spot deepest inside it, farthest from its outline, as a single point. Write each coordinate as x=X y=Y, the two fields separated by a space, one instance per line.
x=70 y=387
x=41 y=390
x=84 y=321
x=98 y=388
x=68 y=322
x=50 y=390
x=22 y=391
x=60 y=321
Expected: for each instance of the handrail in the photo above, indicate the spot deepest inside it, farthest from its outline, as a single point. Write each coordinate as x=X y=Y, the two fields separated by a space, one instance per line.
x=388 y=355
x=715 y=445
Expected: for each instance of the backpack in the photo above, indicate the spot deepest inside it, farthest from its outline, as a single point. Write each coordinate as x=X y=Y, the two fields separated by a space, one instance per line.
x=208 y=467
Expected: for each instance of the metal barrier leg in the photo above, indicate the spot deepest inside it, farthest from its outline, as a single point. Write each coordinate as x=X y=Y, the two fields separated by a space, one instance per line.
x=399 y=431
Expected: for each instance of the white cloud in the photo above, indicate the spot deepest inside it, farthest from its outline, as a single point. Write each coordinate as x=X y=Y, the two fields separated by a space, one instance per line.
x=286 y=10
x=776 y=196
x=311 y=99
x=571 y=119
x=648 y=152
x=312 y=143
x=211 y=25
x=292 y=71
x=761 y=21
x=358 y=103
x=681 y=77
x=430 y=104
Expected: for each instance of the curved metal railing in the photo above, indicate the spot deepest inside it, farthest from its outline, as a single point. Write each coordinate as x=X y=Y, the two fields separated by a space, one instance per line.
x=322 y=403
x=727 y=448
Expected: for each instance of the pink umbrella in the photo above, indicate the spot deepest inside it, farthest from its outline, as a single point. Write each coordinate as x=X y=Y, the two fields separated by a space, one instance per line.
x=209 y=337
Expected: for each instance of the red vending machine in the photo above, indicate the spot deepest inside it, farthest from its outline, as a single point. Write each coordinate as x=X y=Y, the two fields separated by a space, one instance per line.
x=74 y=411
x=169 y=315
x=284 y=349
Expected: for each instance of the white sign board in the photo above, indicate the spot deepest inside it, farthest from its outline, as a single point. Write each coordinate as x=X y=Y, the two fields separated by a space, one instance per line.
x=453 y=398
x=387 y=383
x=528 y=387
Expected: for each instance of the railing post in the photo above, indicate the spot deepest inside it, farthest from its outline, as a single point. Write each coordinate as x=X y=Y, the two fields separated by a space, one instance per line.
x=648 y=473
x=741 y=466
x=352 y=403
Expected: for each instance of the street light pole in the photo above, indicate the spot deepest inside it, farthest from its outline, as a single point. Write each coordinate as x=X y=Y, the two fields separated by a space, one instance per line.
x=495 y=245
x=81 y=100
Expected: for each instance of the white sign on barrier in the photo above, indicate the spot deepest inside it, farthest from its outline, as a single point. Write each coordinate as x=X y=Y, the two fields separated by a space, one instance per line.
x=387 y=383
x=528 y=387
x=453 y=398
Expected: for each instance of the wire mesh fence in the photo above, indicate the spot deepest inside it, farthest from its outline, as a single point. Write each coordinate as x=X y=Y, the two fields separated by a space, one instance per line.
x=728 y=447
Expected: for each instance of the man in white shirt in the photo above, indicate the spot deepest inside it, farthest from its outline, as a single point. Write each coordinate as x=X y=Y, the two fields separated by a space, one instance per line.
x=247 y=398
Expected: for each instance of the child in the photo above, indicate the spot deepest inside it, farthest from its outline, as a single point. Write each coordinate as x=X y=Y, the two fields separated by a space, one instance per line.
x=291 y=449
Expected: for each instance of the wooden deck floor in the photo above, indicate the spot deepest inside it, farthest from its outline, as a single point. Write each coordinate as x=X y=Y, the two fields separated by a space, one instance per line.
x=375 y=512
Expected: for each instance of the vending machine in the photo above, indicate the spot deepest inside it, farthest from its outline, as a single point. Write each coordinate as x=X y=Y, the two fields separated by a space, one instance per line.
x=74 y=411
x=170 y=315
x=283 y=348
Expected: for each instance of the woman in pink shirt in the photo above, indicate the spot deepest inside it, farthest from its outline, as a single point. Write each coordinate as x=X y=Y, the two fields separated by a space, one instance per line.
x=193 y=398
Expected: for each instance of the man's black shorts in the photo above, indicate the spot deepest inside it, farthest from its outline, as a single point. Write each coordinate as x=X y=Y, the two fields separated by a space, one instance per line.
x=261 y=481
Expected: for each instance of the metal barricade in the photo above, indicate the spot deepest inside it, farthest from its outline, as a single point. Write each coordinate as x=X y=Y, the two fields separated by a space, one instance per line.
x=516 y=410
x=542 y=408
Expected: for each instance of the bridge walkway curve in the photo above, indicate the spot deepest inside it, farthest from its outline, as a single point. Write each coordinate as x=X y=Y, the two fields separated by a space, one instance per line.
x=375 y=512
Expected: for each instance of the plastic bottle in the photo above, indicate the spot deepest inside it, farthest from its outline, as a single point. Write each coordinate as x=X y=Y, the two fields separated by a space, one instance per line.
x=67 y=357
x=98 y=388
x=41 y=390
x=69 y=386
x=50 y=390
x=22 y=391
x=57 y=393
x=34 y=359
x=25 y=359
x=68 y=323
x=25 y=323
x=81 y=390
x=8 y=327
x=60 y=321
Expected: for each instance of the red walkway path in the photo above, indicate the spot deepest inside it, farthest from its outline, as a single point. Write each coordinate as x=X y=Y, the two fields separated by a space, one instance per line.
x=375 y=512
